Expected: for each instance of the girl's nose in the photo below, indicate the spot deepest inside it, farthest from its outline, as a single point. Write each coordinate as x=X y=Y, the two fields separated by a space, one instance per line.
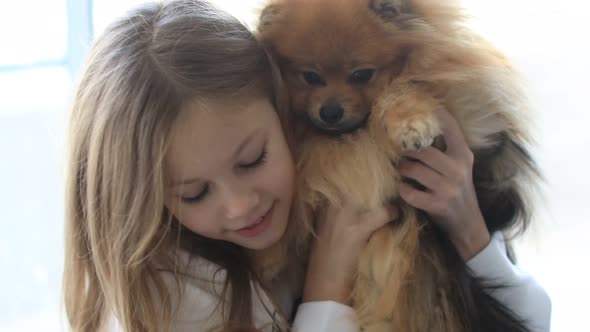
x=240 y=202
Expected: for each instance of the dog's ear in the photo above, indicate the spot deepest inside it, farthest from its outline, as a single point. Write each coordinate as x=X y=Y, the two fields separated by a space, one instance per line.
x=390 y=10
x=268 y=17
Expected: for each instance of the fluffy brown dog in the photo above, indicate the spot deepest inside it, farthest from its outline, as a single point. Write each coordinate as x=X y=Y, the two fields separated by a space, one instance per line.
x=365 y=78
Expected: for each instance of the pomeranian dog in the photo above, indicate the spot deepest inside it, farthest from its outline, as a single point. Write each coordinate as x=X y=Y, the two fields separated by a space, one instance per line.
x=365 y=79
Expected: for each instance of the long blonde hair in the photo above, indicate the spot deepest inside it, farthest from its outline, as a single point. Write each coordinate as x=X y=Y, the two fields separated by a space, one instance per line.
x=119 y=235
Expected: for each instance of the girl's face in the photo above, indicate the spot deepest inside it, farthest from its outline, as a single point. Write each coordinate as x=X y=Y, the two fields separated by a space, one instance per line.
x=230 y=171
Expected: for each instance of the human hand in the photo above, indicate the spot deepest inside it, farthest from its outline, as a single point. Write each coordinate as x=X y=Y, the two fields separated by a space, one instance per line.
x=449 y=196
x=342 y=234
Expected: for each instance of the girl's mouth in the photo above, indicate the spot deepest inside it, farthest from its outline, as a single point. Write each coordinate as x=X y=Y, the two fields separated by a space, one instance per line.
x=259 y=226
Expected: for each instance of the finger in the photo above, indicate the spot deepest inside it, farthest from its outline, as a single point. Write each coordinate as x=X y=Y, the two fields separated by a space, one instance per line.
x=453 y=135
x=378 y=218
x=421 y=173
x=319 y=221
x=393 y=211
x=327 y=215
x=416 y=198
x=434 y=159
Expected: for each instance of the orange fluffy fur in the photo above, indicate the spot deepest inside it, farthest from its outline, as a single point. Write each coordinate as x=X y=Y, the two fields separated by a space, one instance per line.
x=423 y=59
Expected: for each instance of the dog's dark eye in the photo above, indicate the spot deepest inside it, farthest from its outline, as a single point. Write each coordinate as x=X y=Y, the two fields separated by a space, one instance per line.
x=313 y=78
x=362 y=76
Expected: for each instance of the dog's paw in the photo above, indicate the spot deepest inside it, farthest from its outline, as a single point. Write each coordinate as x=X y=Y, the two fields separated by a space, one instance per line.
x=415 y=134
x=408 y=114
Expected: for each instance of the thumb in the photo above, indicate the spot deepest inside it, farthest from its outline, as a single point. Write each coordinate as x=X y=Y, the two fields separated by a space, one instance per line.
x=452 y=134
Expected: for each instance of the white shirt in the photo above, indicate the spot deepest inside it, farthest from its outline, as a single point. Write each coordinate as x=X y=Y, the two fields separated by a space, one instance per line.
x=199 y=308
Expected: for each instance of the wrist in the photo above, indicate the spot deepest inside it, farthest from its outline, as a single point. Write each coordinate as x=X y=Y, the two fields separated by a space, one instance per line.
x=320 y=285
x=325 y=282
x=472 y=239
x=327 y=292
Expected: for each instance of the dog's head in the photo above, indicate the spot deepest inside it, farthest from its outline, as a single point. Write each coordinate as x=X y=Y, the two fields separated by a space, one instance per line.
x=336 y=56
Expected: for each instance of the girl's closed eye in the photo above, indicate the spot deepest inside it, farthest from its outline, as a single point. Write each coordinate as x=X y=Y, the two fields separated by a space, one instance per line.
x=257 y=162
x=198 y=197
x=260 y=159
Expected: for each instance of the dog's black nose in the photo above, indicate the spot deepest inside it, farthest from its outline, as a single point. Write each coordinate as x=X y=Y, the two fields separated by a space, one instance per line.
x=331 y=113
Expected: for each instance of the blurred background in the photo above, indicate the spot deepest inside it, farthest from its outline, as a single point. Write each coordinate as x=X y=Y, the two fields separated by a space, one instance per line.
x=44 y=42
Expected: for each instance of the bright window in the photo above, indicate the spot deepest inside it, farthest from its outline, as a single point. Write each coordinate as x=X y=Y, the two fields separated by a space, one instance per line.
x=32 y=32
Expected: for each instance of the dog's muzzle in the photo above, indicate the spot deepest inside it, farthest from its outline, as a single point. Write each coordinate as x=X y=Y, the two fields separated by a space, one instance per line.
x=339 y=127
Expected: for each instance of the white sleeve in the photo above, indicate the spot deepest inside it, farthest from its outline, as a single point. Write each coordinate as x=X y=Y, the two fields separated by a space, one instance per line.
x=325 y=316
x=523 y=295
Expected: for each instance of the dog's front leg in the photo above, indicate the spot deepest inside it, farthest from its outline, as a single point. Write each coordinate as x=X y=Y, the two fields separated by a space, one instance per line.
x=407 y=111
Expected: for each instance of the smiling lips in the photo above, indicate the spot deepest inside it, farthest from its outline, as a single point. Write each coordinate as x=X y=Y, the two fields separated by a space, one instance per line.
x=258 y=227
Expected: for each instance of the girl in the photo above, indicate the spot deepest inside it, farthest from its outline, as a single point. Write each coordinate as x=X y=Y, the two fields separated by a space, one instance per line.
x=179 y=173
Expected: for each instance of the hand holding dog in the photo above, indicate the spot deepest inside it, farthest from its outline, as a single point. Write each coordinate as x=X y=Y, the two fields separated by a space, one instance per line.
x=341 y=235
x=449 y=196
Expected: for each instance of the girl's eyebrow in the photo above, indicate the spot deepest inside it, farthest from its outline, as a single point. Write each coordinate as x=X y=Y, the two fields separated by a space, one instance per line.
x=185 y=182
x=237 y=151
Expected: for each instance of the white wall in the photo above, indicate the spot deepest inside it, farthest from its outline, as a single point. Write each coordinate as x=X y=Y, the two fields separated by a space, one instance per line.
x=547 y=40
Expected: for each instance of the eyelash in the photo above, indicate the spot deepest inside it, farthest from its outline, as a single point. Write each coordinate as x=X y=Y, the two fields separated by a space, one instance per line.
x=259 y=161
x=256 y=163
x=197 y=198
